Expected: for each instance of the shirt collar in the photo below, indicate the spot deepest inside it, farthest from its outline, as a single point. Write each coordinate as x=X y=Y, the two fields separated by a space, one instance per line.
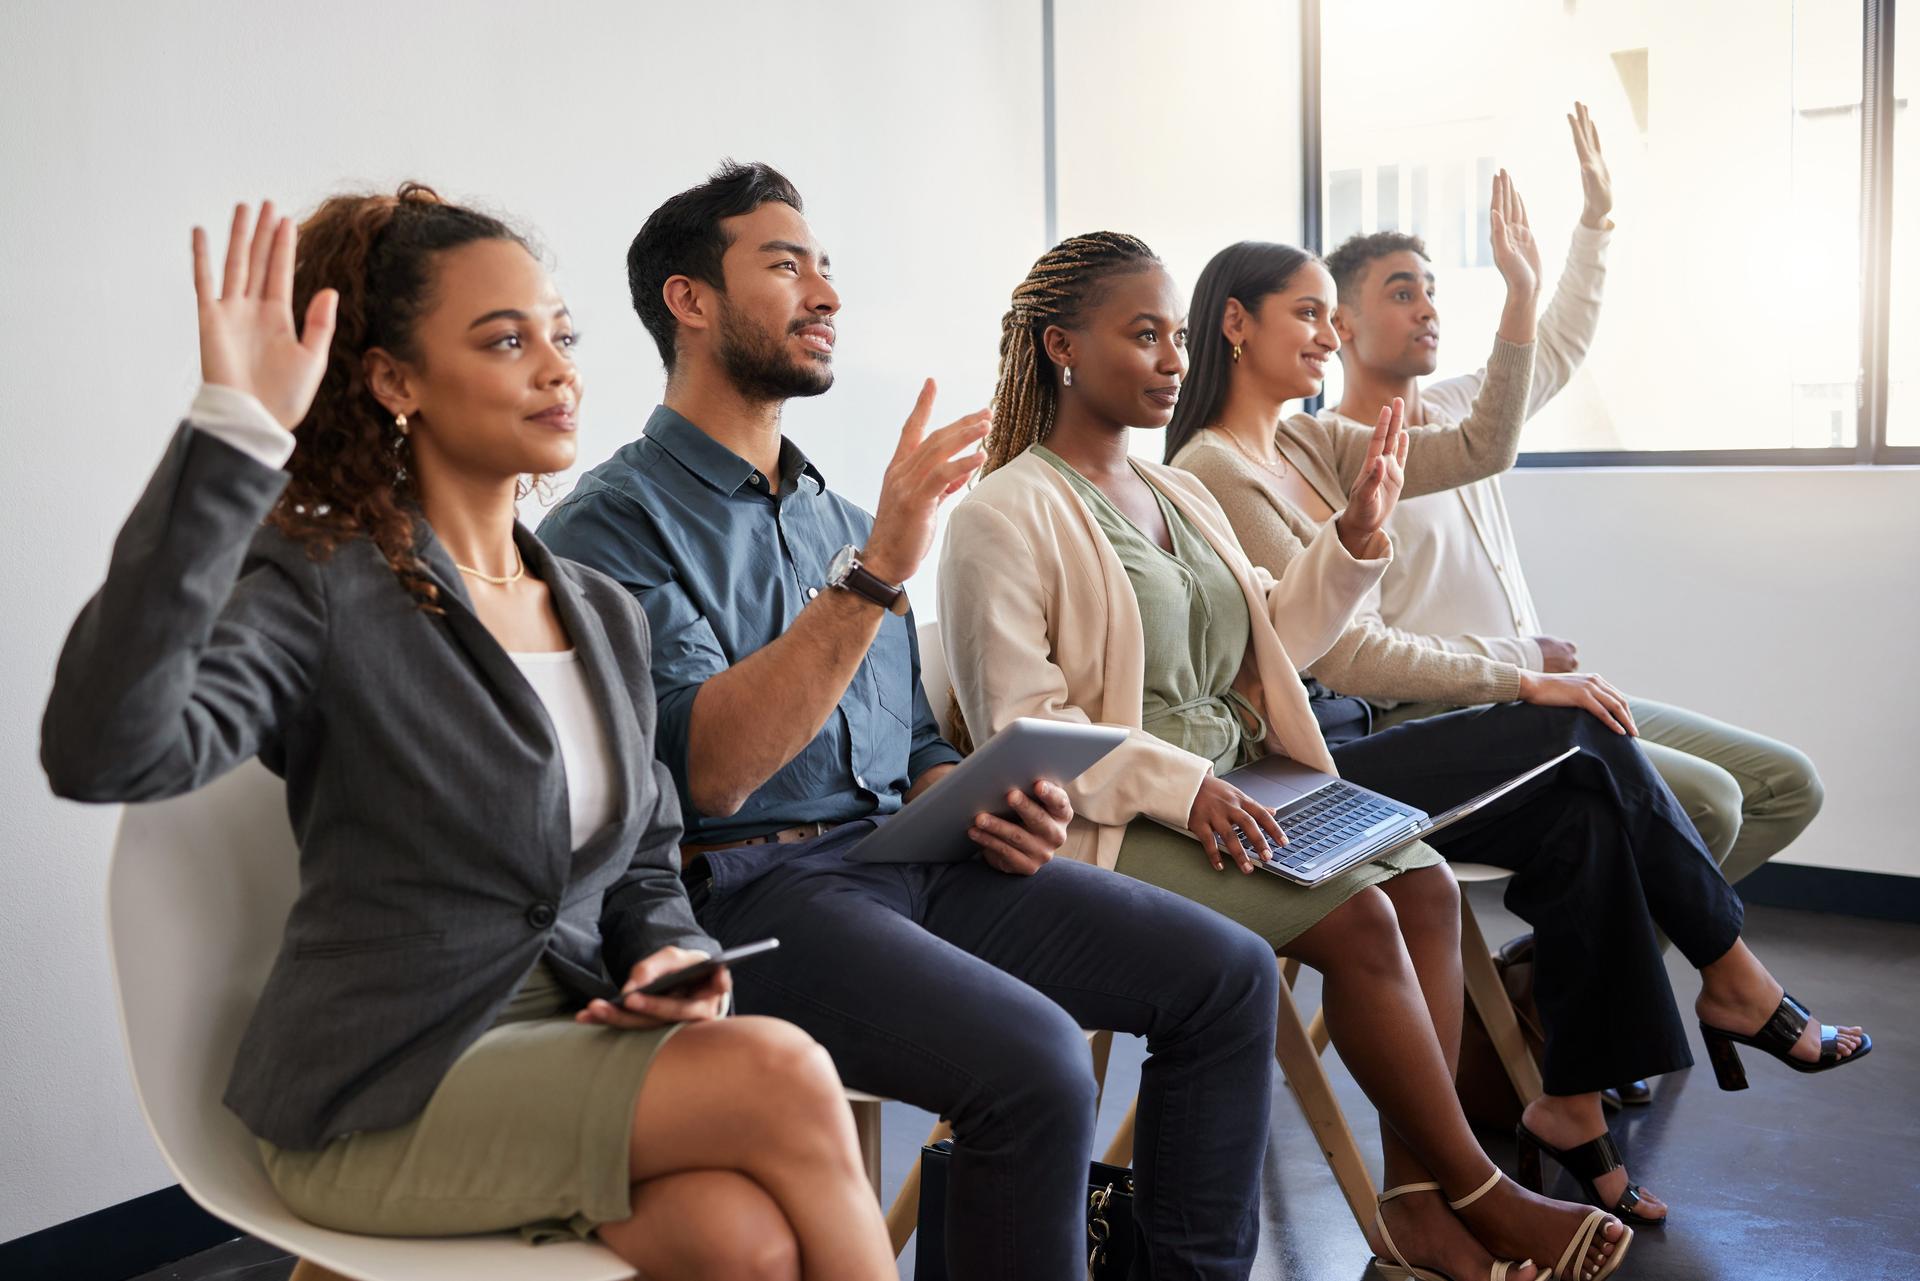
x=719 y=466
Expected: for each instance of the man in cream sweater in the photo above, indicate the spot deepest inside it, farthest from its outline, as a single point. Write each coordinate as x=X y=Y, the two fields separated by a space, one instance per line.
x=1456 y=584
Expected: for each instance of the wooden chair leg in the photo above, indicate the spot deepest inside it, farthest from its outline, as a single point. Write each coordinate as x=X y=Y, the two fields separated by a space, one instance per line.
x=866 y=1125
x=306 y=1270
x=1489 y=996
x=1300 y=1064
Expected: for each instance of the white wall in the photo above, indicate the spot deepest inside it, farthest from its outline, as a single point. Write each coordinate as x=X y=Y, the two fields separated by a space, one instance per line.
x=913 y=131
x=1786 y=601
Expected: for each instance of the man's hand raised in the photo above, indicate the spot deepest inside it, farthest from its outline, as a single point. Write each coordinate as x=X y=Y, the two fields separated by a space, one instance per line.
x=1596 y=184
x=923 y=473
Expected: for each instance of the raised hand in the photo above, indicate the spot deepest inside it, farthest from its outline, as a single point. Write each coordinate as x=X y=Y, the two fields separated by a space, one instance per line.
x=923 y=474
x=247 y=338
x=1378 y=486
x=1515 y=252
x=1595 y=182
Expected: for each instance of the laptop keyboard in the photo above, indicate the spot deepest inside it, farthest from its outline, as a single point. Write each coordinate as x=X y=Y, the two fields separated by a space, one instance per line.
x=1332 y=816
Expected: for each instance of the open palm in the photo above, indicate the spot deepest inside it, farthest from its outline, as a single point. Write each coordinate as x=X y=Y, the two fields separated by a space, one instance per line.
x=247 y=337
x=1382 y=476
x=1515 y=252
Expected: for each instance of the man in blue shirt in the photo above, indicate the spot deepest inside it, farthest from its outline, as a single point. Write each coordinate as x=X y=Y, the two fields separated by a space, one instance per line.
x=792 y=716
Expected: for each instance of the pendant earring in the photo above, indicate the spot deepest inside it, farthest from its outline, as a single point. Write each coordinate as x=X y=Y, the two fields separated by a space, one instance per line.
x=1066 y=375
x=400 y=423
x=1236 y=353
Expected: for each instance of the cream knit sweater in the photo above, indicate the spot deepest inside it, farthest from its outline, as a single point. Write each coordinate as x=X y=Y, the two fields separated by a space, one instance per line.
x=1369 y=659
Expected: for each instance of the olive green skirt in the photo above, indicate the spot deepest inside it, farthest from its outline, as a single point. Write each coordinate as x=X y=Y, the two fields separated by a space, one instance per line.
x=529 y=1130
x=1274 y=908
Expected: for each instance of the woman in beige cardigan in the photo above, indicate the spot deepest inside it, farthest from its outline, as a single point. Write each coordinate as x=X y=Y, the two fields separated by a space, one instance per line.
x=1261 y=311
x=1078 y=584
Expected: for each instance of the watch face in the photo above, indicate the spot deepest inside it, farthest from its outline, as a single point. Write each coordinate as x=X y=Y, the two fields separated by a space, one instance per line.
x=837 y=568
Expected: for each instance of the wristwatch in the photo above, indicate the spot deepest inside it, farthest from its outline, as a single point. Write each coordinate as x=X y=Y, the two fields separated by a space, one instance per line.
x=849 y=575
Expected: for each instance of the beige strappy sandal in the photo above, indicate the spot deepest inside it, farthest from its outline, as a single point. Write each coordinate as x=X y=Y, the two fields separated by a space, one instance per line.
x=1567 y=1269
x=1401 y=1268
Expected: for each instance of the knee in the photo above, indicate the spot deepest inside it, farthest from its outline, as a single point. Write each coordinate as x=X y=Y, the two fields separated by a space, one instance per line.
x=1367 y=927
x=1367 y=919
x=1431 y=891
x=769 y=1254
x=1041 y=1075
x=1797 y=786
x=793 y=1077
x=754 y=1242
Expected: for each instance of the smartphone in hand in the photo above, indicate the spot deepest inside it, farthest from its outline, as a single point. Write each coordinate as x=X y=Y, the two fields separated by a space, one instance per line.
x=689 y=977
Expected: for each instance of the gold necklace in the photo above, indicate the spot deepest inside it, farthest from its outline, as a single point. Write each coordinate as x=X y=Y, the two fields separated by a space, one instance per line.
x=1277 y=466
x=498 y=580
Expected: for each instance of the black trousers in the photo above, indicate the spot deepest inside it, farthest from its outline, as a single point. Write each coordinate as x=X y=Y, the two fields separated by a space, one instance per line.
x=1602 y=854
x=963 y=990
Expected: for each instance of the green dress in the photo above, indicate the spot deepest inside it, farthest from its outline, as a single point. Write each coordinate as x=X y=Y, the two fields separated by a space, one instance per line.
x=1195 y=622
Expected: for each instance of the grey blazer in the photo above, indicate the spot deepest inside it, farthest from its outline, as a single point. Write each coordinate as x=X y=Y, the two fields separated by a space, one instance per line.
x=424 y=782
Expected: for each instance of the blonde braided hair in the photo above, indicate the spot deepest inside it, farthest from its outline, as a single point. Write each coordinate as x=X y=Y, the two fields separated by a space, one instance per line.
x=1061 y=286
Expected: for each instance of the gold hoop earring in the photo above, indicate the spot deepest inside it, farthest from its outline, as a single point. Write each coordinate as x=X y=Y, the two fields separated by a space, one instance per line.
x=1066 y=375
x=400 y=423
x=1236 y=353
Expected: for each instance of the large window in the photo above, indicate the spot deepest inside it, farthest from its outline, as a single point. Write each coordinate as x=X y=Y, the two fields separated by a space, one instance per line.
x=1734 y=306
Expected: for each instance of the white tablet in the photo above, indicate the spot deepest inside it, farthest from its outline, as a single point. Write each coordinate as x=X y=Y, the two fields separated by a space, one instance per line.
x=933 y=829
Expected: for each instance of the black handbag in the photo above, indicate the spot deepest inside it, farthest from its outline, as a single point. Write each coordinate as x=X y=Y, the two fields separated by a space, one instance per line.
x=1113 y=1243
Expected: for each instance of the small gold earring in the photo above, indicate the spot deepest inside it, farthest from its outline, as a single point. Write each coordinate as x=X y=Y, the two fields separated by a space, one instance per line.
x=1066 y=374
x=1236 y=353
x=400 y=423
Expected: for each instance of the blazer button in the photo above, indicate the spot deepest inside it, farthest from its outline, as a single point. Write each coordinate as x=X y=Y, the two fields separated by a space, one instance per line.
x=540 y=915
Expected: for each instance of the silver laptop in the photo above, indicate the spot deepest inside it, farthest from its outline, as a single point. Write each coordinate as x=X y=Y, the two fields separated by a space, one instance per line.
x=1332 y=824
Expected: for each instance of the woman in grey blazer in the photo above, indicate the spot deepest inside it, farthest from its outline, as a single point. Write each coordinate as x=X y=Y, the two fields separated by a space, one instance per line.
x=449 y=1041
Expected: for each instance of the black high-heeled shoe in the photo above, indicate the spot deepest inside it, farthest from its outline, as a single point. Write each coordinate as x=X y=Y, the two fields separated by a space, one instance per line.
x=1777 y=1038
x=1586 y=1163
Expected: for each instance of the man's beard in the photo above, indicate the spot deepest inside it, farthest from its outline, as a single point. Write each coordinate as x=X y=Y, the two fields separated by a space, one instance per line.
x=759 y=365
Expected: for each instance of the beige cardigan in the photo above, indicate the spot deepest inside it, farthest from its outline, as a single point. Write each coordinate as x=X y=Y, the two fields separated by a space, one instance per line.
x=1371 y=659
x=1037 y=618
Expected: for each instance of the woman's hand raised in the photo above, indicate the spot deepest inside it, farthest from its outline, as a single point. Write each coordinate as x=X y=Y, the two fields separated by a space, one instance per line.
x=247 y=338
x=1378 y=486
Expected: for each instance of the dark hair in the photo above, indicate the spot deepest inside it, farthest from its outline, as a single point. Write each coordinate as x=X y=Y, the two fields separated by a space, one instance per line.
x=1356 y=253
x=1249 y=271
x=683 y=237
x=351 y=473
x=1063 y=284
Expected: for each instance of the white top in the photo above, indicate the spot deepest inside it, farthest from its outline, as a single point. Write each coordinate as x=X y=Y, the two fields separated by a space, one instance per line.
x=239 y=419
x=1455 y=582
x=561 y=682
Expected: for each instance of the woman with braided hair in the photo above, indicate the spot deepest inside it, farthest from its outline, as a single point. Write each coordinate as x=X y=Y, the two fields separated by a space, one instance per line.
x=1079 y=583
x=327 y=572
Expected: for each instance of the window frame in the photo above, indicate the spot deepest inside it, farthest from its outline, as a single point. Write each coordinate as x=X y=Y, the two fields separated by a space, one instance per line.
x=1876 y=259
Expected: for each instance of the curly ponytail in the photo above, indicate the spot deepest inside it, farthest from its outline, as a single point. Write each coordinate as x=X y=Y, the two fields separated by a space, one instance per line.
x=352 y=469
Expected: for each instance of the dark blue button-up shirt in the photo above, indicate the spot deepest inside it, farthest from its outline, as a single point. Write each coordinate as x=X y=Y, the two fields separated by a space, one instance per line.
x=721 y=565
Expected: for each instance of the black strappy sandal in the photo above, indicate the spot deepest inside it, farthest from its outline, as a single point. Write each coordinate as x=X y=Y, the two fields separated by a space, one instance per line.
x=1777 y=1038
x=1586 y=1163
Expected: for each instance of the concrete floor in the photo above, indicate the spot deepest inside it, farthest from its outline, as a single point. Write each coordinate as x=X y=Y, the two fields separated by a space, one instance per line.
x=1797 y=1178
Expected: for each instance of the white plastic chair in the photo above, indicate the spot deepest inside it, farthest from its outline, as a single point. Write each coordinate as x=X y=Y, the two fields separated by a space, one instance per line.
x=197 y=895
